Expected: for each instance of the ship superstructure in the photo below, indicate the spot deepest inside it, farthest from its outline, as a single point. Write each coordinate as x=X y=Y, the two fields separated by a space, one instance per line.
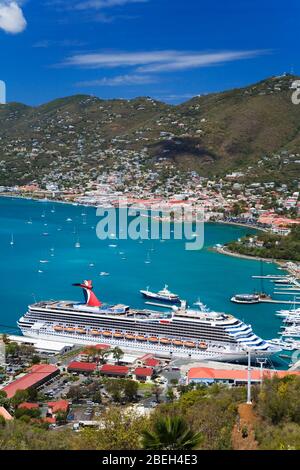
x=183 y=332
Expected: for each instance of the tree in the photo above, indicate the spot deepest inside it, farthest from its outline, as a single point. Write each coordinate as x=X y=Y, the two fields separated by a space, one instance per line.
x=170 y=394
x=120 y=430
x=115 y=388
x=31 y=412
x=12 y=349
x=102 y=355
x=32 y=394
x=97 y=397
x=61 y=417
x=170 y=433
x=75 y=392
x=117 y=354
x=130 y=389
x=3 y=398
x=35 y=359
x=92 y=353
x=19 y=397
x=156 y=390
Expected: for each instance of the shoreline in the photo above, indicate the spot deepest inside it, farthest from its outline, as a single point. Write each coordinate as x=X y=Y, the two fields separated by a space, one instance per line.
x=95 y=206
x=278 y=262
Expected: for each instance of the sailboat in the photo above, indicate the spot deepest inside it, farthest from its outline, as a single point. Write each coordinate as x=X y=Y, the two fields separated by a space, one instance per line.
x=77 y=244
x=12 y=240
x=148 y=260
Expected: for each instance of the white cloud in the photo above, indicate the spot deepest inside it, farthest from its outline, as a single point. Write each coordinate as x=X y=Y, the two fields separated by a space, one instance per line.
x=189 y=61
x=159 y=61
x=119 y=80
x=113 y=60
x=101 y=4
x=11 y=17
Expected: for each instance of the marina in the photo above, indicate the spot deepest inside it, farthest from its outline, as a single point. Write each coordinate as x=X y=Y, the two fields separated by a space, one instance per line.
x=194 y=277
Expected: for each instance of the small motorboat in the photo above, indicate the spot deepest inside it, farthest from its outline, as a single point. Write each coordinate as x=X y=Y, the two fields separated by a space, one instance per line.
x=246 y=299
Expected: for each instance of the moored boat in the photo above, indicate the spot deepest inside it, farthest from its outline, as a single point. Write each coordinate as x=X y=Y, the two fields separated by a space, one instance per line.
x=164 y=295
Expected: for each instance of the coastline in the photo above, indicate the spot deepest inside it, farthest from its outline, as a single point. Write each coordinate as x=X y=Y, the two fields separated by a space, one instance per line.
x=60 y=201
x=279 y=262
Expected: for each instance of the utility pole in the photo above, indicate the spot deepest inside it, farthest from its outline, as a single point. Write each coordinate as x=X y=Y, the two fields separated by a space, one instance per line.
x=249 y=402
x=261 y=363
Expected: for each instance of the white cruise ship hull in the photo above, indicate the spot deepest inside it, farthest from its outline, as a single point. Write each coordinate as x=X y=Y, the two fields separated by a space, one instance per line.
x=214 y=352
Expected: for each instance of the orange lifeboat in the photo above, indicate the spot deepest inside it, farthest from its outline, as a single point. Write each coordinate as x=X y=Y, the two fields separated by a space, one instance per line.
x=128 y=336
x=95 y=332
x=153 y=339
x=165 y=341
x=190 y=344
x=141 y=338
x=69 y=329
x=177 y=342
x=81 y=331
x=106 y=333
x=118 y=334
x=202 y=345
x=58 y=328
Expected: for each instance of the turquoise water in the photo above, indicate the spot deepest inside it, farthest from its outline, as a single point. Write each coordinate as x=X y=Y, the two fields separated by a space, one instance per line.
x=212 y=277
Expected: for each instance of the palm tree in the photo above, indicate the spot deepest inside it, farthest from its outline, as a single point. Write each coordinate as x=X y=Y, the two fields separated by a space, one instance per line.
x=117 y=354
x=170 y=433
x=102 y=355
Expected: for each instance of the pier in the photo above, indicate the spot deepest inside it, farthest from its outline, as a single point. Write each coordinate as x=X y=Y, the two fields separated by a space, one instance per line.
x=277 y=301
x=155 y=304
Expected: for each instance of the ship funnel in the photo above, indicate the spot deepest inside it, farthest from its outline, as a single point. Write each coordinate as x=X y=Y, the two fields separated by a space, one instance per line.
x=89 y=296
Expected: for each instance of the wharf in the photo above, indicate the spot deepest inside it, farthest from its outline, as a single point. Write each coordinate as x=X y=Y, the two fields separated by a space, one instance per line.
x=155 y=304
x=275 y=301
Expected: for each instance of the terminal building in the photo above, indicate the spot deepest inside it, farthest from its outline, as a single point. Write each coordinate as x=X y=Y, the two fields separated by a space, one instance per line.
x=42 y=345
x=36 y=376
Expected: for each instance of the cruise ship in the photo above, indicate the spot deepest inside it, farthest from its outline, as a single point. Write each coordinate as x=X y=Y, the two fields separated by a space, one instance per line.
x=182 y=332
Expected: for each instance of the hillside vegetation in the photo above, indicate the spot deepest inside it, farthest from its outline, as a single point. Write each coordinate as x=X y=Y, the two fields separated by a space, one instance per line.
x=210 y=134
x=203 y=417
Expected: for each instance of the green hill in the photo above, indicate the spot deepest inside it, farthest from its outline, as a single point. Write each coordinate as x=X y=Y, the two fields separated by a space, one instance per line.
x=211 y=134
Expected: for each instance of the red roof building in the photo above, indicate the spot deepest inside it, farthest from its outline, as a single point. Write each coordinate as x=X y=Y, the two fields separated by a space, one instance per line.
x=148 y=360
x=57 y=406
x=208 y=375
x=152 y=362
x=36 y=375
x=84 y=367
x=114 y=370
x=5 y=414
x=29 y=406
x=142 y=373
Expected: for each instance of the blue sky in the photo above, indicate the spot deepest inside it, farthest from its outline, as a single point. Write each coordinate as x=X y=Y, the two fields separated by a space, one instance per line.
x=168 y=49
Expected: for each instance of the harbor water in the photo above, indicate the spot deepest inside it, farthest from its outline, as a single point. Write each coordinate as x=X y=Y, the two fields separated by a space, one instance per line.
x=46 y=246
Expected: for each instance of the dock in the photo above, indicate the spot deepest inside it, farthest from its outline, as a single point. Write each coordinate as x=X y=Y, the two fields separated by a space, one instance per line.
x=296 y=295
x=277 y=301
x=270 y=276
x=155 y=304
